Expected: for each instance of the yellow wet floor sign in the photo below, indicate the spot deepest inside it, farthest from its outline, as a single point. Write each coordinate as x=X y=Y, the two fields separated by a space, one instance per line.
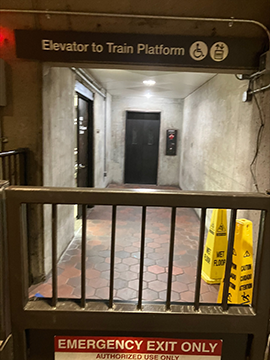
x=215 y=251
x=241 y=279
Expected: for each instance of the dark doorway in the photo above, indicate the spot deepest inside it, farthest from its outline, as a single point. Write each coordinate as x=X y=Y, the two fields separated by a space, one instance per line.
x=84 y=158
x=142 y=143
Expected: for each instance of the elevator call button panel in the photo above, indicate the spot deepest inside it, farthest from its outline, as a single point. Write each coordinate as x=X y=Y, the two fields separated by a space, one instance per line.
x=171 y=141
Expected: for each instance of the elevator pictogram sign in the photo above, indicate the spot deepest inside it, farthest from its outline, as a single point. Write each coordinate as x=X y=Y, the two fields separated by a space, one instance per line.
x=135 y=348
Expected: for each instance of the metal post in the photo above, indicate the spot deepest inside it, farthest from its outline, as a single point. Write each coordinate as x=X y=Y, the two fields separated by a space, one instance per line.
x=4 y=292
x=54 y=255
x=199 y=263
x=83 y=267
x=170 y=267
x=112 y=257
x=229 y=261
x=142 y=258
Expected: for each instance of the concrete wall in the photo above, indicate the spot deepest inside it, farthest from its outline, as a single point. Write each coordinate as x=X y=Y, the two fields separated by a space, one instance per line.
x=108 y=139
x=171 y=118
x=58 y=150
x=100 y=109
x=219 y=140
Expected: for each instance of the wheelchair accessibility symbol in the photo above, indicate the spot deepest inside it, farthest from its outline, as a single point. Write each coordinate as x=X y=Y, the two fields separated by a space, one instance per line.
x=198 y=50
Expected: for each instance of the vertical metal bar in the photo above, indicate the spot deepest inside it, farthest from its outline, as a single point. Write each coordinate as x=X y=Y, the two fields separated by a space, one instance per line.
x=20 y=344
x=112 y=256
x=24 y=169
x=171 y=252
x=15 y=170
x=83 y=267
x=262 y=301
x=229 y=261
x=17 y=260
x=9 y=170
x=23 y=227
x=20 y=168
x=142 y=257
x=259 y=344
x=5 y=326
x=4 y=168
x=54 y=255
x=200 y=258
x=258 y=268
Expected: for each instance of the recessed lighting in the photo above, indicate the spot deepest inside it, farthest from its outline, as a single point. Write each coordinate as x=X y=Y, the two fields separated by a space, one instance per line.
x=149 y=82
x=148 y=95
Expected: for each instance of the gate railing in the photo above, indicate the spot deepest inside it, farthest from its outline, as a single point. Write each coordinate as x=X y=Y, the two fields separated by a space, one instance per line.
x=110 y=314
x=5 y=327
x=13 y=166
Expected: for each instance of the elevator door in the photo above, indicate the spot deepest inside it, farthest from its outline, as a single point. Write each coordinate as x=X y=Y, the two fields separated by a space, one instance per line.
x=142 y=143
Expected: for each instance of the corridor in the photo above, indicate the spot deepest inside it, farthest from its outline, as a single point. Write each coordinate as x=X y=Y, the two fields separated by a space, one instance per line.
x=128 y=234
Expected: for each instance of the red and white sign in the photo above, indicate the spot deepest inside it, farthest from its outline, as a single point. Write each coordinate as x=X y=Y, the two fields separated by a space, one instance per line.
x=134 y=348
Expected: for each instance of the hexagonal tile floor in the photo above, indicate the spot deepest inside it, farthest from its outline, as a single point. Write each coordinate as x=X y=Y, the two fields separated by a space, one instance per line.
x=127 y=257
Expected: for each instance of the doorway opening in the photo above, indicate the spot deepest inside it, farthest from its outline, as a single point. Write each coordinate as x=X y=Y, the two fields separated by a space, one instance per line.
x=84 y=150
x=84 y=142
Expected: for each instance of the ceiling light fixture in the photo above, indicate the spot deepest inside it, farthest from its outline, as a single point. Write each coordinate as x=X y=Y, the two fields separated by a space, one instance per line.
x=149 y=82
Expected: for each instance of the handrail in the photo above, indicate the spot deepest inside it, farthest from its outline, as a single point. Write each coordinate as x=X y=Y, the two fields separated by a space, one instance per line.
x=13 y=152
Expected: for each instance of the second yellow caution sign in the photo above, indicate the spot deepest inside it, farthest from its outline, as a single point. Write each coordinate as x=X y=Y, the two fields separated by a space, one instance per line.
x=241 y=277
x=215 y=251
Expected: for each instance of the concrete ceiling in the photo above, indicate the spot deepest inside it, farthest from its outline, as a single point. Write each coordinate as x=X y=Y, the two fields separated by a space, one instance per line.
x=168 y=84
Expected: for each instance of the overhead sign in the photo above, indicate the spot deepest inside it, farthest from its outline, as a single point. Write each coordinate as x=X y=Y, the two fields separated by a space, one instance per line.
x=124 y=348
x=168 y=50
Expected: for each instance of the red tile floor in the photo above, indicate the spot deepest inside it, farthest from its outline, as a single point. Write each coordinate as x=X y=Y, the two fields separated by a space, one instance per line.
x=127 y=257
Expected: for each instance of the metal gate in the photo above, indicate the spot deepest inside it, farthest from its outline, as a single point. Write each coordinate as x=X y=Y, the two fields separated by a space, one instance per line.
x=35 y=323
x=13 y=166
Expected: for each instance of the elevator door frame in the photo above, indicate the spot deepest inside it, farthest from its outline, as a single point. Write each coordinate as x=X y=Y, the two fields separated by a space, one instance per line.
x=90 y=140
x=158 y=113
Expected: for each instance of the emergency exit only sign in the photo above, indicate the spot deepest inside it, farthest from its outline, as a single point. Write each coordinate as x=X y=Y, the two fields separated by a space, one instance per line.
x=133 y=348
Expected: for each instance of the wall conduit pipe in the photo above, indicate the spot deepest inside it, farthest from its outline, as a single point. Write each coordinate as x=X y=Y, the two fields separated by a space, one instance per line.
x=84 y=76
x=230 y=21
x=260 y=89
x=105 y=135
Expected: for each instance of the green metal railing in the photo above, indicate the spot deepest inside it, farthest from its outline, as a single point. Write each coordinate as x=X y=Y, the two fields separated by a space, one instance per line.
x=109 y=316
x=13 y=166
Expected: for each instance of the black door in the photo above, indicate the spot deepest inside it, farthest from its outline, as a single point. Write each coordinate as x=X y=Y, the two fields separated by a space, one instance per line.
x=84 y=160
x=142 y=143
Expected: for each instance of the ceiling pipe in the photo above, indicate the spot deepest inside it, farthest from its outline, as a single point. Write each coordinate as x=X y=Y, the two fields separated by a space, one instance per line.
x=230 y=21
x=105 y=136
x=260 y=89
